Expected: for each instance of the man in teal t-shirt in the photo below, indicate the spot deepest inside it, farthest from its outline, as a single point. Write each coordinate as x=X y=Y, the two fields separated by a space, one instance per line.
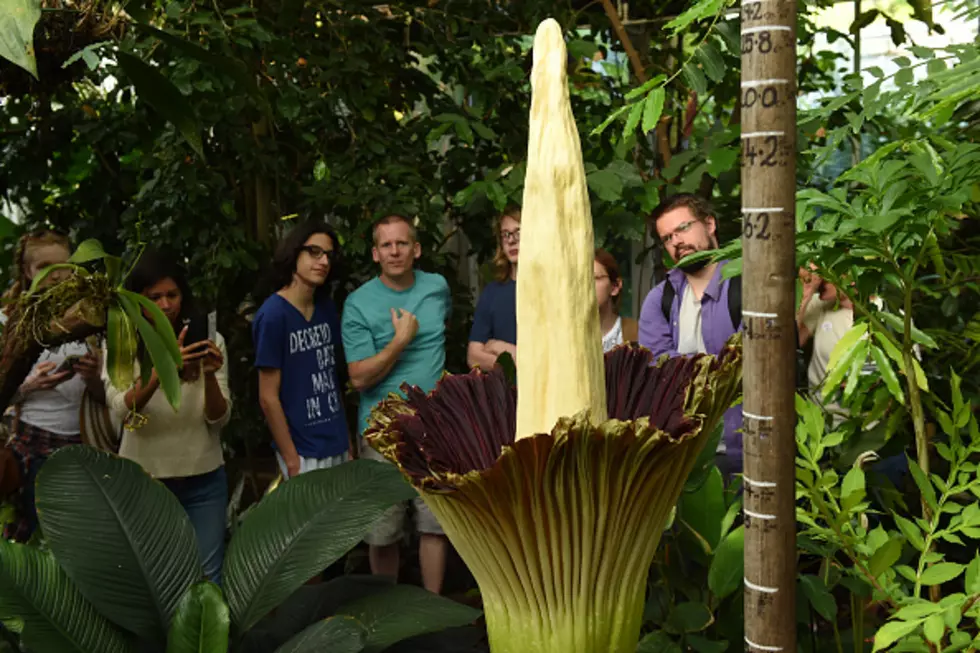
x=394 y=332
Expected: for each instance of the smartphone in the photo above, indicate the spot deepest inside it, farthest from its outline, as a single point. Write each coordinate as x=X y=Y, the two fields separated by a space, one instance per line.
x=67 y=365
x=197 y=330
x=201 y=327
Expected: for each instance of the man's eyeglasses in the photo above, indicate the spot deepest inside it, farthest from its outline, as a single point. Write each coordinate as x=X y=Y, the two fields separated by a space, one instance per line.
x=682 y=228
x=318 y=252
x=511 y=236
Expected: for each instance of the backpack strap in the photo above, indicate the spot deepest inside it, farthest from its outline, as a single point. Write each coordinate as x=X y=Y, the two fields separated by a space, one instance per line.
x=735 y=300
x=667 y=300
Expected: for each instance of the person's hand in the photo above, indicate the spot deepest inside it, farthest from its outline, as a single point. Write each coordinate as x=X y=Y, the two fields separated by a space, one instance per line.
x=213 y=359
x=406 y=325
x=498 y=347
x=44 y=378
x=811 y=282
x=89 y=367
x=292 y=465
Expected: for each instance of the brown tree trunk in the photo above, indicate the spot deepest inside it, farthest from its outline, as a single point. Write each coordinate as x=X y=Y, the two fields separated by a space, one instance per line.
x=768 y=91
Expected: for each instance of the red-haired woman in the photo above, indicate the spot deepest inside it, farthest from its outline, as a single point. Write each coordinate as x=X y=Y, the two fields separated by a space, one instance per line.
x=609 y=293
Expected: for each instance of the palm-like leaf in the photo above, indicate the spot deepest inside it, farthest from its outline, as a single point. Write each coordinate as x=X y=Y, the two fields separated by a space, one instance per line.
x=302 y=528
x=201 y=623
x=56 y=617
x=121 y=536
x=336 y=635
x=398 y=612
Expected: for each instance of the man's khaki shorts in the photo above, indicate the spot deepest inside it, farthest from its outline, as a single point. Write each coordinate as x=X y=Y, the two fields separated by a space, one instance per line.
x=391 y=527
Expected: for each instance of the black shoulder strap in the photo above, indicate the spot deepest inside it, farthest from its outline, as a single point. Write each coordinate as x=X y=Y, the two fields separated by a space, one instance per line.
x=667 y=301
x=735 y=300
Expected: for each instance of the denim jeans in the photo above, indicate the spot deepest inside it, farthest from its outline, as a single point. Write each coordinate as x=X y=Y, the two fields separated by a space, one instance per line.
x=205 y=499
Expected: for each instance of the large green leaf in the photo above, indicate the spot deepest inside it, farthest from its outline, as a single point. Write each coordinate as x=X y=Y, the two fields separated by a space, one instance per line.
x=122 y=537
x=201 y=623
x=402 y=611
x=120 y=348
x=336 y=635
x=157 y=350
x=727 y=567
x=161 y=94
x=87 y=250
x=159 y=322
x=17 y=21
x=56 y=617
x=300 y=529
x=704 y=508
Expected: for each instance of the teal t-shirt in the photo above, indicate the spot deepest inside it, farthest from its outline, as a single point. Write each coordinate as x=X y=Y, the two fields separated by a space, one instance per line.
x=366 y=329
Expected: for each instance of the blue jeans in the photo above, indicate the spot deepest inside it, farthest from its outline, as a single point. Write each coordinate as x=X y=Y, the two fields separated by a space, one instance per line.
x=205 y=499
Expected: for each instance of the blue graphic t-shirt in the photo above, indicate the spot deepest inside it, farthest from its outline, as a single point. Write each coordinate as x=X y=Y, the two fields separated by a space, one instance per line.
x=306 y=353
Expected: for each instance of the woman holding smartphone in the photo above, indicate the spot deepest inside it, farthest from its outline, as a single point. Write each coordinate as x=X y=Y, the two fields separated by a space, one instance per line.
x=182 y=449
x=46 y=409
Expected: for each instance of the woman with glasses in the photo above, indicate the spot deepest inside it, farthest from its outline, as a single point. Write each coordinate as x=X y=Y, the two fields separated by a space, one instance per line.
x=494 y=328
x=182 y=448
x=298 y=354
x=616 y=330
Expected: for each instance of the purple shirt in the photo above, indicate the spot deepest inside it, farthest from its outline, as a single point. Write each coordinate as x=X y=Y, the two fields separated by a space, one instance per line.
x=661 y=336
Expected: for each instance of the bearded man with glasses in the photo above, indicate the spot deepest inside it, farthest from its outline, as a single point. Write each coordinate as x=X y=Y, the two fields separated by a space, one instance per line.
x=694 y=310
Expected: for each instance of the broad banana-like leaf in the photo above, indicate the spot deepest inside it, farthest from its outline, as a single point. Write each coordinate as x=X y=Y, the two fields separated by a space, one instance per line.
x=156 y=348
x=120 y=348
x=336 y=635
x=201 y=623
x=402 y=611
x=122 y=537
x=302 y=528
x=55 y=617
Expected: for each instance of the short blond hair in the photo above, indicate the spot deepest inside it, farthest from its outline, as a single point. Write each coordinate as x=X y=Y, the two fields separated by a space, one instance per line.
x=392 y=219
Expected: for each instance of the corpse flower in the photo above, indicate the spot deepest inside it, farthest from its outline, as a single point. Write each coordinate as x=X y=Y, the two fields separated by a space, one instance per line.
x=556 y=496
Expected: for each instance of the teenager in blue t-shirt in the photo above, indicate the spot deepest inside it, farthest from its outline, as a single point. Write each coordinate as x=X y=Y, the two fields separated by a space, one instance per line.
x=494 y=329
x=298 y=353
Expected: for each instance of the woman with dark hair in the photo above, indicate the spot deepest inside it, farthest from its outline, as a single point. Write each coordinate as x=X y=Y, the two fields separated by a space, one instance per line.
x=494 y=329
x=296 y=333
x=180 y=448
x=609 y=294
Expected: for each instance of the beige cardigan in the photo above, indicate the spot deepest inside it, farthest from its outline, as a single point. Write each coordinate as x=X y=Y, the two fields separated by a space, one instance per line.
x=173 y=444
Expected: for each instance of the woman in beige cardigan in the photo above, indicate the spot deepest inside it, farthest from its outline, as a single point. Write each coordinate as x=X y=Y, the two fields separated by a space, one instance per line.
x=182 y=449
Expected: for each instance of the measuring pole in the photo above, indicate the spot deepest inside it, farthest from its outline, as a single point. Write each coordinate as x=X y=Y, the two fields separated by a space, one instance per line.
x=769 y=315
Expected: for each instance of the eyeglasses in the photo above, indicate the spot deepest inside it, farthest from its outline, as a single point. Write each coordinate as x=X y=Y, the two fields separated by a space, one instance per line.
x=682 y=228
x=511 y=236
x=318 y=252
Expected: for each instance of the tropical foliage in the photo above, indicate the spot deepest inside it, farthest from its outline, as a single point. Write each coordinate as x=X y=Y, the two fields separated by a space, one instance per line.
x=120 y=571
